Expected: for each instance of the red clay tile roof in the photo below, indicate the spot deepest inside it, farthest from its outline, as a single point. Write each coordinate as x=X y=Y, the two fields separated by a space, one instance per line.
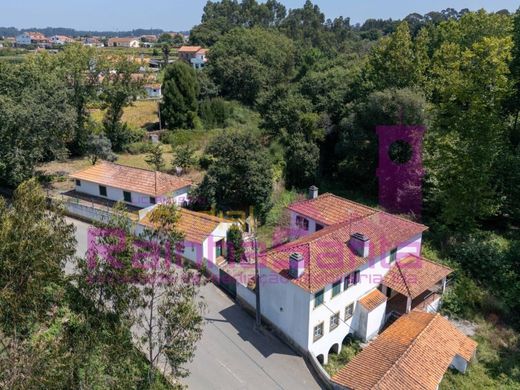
x=413 y=353
x=131 y=179
x=327 y=256
x=372 y=300
x=197 y=227
x=189 y=49
x=413 y=275
x=329 y=209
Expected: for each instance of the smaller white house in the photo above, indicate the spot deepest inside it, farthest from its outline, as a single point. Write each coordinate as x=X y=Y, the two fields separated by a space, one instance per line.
x=60 y=39
x=136 y=187
x=124 y=42
x=204 y=237
x=31 y=38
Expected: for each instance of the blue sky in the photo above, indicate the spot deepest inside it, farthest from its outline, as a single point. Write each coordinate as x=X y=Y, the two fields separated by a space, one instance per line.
x=183 y=14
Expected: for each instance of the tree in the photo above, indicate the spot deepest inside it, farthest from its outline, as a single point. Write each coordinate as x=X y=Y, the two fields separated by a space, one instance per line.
x=302 y=159
x=180 y=91
x=392 y=62
x=100 y=147
x=184 y=158
x=36 y=120
x=80 y=67
x=239 y=176
x=119 y=90
x=235 y=244
x=155 y=158
x=245 y=62
x=36 y=244
x=171 y=318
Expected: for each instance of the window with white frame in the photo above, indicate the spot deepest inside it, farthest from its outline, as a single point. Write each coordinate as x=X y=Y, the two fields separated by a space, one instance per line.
x=318 y=331
x=349 y=312
x=352 y=279
x=334 y=321
x=302 y=223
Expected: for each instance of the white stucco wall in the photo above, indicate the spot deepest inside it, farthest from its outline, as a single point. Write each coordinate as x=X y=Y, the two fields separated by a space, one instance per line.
x=138 y=199
x=285 y=305
x=296 y=232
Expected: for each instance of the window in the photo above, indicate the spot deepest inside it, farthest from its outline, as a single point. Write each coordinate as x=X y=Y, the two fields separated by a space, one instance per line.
x=318 y=331
x=393 y=255
x=352 y=279
x=302 y=223
x=127 y=196
x=319 y=227
x=318 y=298
x=152 y=200
x=334 y=321
x=78 y=183
x=336 y=288
x=349 y=312
x=102 y=191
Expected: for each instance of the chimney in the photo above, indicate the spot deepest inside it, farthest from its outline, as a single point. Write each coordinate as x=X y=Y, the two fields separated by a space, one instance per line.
x=360 y=244
x=313 y=192
x=296 y=265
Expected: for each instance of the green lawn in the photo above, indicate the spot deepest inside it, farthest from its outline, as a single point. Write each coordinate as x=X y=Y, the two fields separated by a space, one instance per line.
x=336 y=362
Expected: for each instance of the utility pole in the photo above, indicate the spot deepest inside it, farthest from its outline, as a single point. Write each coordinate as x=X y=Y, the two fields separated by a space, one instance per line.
x=258 y=323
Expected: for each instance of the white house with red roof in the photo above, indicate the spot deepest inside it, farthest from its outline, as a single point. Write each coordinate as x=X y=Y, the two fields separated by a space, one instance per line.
x=352 y=269
x=134 y=186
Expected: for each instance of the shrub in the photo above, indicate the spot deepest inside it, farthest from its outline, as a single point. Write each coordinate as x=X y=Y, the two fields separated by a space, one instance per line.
x=138 y=147
x=215 y=112
x=235 y=244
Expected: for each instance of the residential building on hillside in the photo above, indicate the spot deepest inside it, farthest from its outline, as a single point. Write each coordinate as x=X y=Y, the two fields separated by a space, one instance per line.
x=124 y=42
x=92 y=42
x=136 y=187
x=354 y=270
x=195 y=55
x=31 y=38
x=153 y=90
x=413 y=353
x=60 y=39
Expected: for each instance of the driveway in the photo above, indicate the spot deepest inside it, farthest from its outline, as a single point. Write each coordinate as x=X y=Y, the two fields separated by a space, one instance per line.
x=231 y=354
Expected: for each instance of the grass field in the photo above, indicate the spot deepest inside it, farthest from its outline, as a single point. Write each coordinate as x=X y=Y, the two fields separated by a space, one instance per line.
x=142 y=114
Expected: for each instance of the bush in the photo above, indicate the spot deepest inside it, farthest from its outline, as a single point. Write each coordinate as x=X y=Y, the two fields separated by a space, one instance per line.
x=235 y=244
x=138 y=147
x=215 y=112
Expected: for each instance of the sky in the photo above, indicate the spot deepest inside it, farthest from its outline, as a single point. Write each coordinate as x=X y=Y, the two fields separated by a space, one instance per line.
x=180 y=15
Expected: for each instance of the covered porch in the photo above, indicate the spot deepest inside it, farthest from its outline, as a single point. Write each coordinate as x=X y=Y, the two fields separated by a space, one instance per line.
x=414 y=283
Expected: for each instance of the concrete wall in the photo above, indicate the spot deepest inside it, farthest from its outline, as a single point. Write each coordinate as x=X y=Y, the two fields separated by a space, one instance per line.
x=246 y=295
x=459 y=363
x=87 y=212
x=285 y=305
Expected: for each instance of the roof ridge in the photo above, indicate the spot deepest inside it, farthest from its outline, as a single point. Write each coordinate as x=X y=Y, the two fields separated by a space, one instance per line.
x=396 y=363
x=209 y=217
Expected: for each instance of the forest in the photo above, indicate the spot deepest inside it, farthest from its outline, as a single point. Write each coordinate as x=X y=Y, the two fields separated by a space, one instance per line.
x=291 y=99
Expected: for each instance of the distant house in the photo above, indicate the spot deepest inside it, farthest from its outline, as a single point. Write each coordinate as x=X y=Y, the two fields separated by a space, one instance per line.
x=148 y=38
x=413 y=353
x=124 y=42
x=195 y=55
x=92 y=42
x=60 y=39
x=31 y=38
x=153 y=90
x=136 y=187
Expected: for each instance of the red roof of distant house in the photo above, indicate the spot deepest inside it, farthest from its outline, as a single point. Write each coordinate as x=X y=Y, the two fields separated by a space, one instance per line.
x=189 y=49
x=413 y=353
x=329 y=209
x=327 y=255
x=132 y=179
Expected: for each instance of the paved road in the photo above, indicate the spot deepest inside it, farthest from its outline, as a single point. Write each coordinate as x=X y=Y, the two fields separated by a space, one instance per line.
x=231 y=354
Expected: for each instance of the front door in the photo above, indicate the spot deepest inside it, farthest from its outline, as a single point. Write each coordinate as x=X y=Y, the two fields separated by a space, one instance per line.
x=219 y=248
